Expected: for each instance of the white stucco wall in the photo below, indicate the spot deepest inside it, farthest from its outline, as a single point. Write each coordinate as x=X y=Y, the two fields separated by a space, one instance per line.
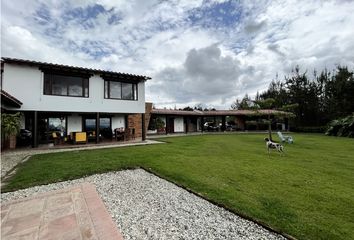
x=178 y=124
x=22 y=122
x=198 y=125
x=118 y=121
x=26 y=84
x=74 y=123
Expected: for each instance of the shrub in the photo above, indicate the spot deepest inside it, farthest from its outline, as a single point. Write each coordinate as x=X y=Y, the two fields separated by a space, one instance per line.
x=318 y=129
x=343 y=127
x=10 y=124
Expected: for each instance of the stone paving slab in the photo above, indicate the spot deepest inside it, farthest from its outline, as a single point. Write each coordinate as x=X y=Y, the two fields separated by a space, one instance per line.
x=71 y=213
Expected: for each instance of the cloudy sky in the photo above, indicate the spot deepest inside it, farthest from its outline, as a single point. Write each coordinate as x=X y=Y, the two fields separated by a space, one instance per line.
x=209 y=52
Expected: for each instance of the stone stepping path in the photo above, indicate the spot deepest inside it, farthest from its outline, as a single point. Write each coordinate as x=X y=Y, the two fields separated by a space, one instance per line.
x=72 y=213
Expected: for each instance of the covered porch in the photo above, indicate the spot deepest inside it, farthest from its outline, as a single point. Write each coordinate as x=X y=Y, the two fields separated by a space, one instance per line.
x=65 y=129
x=166 y=121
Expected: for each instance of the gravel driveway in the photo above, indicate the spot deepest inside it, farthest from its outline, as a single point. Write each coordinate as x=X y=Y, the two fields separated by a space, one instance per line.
x=147 y=207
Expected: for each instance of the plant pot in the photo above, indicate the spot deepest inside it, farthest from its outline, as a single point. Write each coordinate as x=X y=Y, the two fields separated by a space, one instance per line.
x=12 y=142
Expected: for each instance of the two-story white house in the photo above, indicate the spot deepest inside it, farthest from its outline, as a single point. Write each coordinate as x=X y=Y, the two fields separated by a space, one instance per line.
x=66 y=99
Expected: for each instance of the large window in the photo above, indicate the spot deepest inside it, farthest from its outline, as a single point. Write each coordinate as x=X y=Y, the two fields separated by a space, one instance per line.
x=63 y=85
x=120 y=90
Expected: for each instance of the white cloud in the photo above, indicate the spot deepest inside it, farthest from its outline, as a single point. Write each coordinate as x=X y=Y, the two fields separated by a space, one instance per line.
x=205 y=76
x=190 y=62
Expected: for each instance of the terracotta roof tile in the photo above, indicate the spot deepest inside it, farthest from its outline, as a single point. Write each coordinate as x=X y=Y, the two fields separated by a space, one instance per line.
x=219 y=112
x=53 y=65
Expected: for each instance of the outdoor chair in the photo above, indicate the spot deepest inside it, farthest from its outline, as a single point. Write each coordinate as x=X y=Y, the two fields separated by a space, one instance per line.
x=79 y=137
x=119 y=134
x=56 y=139
x=129 y=133
x=285 y=138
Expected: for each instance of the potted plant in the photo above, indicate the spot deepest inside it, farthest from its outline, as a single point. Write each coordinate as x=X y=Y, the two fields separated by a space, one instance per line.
x=10 y=127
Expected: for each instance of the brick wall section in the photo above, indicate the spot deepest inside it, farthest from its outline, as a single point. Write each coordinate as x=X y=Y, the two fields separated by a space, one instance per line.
x=134 y=120
x=148 y=109
x=240 y=122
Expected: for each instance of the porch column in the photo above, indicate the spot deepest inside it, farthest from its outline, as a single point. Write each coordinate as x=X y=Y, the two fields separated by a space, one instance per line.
x=35 y=130
x=223 y=123
x=166 y=123
x=202 y=123
x=215 y=125
x=97 y=127
x=143 y=128
x=186 y=124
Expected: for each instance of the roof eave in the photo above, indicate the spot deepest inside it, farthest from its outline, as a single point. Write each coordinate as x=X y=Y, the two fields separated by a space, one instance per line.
x=90 y=71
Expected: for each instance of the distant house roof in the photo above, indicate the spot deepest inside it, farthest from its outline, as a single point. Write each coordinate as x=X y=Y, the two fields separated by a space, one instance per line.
x=220 y=112
x=175 y=112
x=9 y=100
x=90 y=71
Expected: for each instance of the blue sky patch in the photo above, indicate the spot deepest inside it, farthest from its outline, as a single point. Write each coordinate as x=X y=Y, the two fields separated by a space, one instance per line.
x=216 y=15
x=84 y=14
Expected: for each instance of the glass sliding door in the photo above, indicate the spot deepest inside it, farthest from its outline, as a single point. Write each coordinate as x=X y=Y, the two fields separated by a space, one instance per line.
x=51 y=127
x=105 y=126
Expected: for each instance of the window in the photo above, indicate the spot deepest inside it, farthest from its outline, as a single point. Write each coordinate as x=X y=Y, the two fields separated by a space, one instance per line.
x=105 y=126
x=62 y=85
x=90 y=124
x=120 y=90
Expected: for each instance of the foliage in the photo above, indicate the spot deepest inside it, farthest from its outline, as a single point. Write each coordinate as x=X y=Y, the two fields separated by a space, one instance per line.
x=343 y=127
x=198 y=107
x=10 y=124
x=156 y=123
x=315 y=129
x=159 y=123
x=315 y=100
x=308 y=193
x=245 y=104
x=267 y=103
x=289 y=107
x=188 y=108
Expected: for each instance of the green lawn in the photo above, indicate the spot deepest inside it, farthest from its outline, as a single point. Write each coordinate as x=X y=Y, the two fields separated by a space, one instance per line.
x=308 y=193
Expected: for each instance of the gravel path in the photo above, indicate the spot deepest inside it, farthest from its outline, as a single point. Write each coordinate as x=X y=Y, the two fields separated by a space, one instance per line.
x=9 y=161
x=147 y=207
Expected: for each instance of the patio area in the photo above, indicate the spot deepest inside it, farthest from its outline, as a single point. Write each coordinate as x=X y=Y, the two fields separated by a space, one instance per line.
x=71 y=213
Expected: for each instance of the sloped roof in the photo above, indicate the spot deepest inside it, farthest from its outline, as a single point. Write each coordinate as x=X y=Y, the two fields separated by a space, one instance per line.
x=10 y=100
x=174 y=112
x=54 y=66
x=220 y=112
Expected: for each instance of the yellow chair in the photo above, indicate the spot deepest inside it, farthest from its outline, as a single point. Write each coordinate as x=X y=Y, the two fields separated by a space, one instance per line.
x=80 y=137
x=55 y=138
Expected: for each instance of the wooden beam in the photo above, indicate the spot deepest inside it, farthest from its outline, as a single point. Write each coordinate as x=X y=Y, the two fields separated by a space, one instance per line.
x=97 y=127
x=186 y=119
x=223 y=123
x=143 y=128
x=35 y=130
x=202 y=123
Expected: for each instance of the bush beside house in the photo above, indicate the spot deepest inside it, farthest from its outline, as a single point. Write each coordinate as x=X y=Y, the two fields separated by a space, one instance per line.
x=10 y=127
x=342 y=127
